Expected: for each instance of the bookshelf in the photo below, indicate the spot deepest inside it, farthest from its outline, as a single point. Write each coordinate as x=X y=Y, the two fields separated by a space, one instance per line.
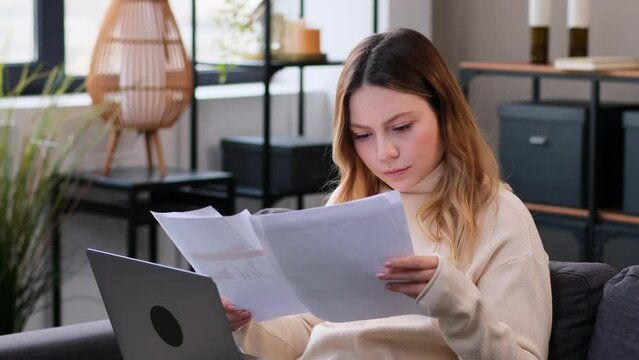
x=591 y=214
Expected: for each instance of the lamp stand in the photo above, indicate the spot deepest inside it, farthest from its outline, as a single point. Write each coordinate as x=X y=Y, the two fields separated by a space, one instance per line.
x=151 y=140
x=152 y=137
x=114 y=137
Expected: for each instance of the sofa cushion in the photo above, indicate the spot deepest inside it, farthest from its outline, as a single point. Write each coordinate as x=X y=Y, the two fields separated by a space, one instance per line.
x=616 y=334
x=92 y=340
x=576 y=292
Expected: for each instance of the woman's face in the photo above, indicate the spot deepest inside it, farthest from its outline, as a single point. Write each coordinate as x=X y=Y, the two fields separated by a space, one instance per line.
x=395 y=134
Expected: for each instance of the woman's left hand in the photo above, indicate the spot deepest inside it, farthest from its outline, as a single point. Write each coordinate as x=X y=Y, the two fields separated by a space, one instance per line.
x=409 y=274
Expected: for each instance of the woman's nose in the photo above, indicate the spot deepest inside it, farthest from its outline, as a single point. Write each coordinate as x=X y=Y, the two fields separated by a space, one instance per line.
x=386 y=150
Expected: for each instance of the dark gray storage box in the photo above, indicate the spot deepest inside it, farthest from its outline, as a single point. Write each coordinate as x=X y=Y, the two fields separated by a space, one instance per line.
x=564 y=238
x=544 y=151
x=631 y=163
x=298 y=164
x=617 y=244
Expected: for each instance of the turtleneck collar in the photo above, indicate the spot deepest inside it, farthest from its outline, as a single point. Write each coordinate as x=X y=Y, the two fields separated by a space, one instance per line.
x=428 y=184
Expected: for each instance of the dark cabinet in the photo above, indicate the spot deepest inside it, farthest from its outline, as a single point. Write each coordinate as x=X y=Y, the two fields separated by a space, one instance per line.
x=298 y=164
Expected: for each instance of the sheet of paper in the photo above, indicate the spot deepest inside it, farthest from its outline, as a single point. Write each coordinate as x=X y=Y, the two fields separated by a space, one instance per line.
x=331 y=255
x=227 y=250
x=208 y=211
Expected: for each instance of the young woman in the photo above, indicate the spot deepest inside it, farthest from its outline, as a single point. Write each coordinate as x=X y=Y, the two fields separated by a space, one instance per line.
x=480 y=271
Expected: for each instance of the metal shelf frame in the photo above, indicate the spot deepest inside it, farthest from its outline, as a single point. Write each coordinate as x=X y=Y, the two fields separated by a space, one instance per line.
x=269 y=66
x=471 y=70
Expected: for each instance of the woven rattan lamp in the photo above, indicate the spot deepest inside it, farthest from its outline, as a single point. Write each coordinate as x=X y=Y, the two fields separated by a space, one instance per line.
x=140 y=68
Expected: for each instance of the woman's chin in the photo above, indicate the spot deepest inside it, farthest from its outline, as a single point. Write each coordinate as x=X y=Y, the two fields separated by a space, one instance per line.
x=401 y=186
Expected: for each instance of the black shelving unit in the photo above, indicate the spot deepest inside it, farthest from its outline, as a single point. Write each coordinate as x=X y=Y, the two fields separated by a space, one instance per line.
x=269 y=67
x=593 y=216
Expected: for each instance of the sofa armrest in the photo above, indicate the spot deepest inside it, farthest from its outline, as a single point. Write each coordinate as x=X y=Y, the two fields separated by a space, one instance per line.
x=576 y=292
x=616 y=334
x=91 y=340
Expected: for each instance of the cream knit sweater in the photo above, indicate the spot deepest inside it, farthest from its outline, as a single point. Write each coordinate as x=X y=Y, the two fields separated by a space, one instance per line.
x=495 y=306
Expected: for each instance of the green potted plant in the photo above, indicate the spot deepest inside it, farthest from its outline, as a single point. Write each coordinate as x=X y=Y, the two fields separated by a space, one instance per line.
x=37 y=157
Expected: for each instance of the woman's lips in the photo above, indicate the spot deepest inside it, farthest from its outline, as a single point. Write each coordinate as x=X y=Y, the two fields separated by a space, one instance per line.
x=395 y=172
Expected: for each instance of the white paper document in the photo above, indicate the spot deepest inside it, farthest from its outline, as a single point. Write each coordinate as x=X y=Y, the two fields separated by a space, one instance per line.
x=320 y=260
x=226 y=249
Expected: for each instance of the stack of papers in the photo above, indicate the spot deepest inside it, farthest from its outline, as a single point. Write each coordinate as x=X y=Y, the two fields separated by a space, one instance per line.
x=594 y=63
x=319 y=260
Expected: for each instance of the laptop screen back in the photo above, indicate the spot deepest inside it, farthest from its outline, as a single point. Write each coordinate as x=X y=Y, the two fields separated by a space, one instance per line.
x=158 y=312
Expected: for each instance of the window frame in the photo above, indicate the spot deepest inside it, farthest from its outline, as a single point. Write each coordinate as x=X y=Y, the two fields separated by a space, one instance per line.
x=50 y=52
x=48 y=42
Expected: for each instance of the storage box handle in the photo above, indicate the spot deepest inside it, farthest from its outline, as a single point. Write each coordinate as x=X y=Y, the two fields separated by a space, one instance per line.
x=538 y=140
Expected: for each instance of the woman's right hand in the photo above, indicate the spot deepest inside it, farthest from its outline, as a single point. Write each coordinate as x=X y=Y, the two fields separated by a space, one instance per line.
x=236 y=317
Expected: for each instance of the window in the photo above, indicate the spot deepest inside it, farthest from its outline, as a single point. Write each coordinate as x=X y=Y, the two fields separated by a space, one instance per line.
x=82 y=21
x=17 y=38
x=34 y=40
x=81 y=31
x=48 y=33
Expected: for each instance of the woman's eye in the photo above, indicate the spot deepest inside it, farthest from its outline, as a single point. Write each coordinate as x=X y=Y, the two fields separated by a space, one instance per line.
x=360 y=136
x=402 y=127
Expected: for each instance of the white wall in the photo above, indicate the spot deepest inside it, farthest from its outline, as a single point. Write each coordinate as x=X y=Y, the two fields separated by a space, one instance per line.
x=414 y=14
x=223 y=111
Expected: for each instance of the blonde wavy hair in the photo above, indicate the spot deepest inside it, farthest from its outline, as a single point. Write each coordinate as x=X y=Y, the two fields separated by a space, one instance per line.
x=405 y=61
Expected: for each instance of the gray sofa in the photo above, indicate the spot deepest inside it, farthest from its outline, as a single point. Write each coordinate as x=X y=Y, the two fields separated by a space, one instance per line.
x=595 y=316
x=595 y=312
x=87 y=341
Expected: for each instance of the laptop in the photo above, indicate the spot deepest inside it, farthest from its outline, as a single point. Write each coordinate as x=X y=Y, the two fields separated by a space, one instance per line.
x=161 y=313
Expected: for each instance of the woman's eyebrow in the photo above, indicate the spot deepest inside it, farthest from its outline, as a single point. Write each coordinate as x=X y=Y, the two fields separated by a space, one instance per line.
x=391 y=119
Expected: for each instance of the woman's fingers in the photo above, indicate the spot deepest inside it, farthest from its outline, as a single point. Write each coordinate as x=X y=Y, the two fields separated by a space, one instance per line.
x=423 y=276
x=410 y=289
x=236 y=324
x=227 y=305
x=236 y=317
x=421 y=262
x=409 y=274
x=410 y=283
x=410 y=268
